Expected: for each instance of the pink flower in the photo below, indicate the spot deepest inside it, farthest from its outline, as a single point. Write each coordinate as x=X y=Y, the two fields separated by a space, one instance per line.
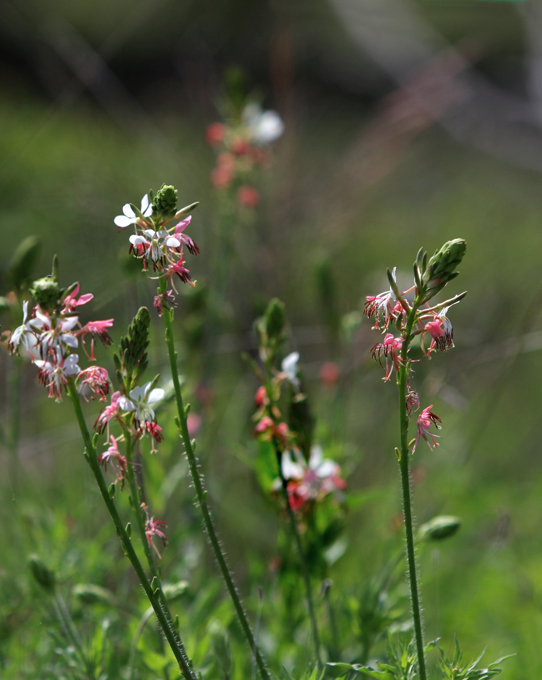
x=381 y=306
x=166 y=300
x=112 y=455
x=155 y=431
x=108 y=413
x=312 y=481
x=215 y=134
x=247 y=196
x=152 y=528
x=425 y=420
x=182 y=272
x=96 y=329
x=54 y=374
x=71 y=301
x=389 y=348
x=93 y=382
x=441 y=331
x=184 y=238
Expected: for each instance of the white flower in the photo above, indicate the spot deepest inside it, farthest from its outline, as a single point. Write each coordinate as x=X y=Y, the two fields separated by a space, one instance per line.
x=264 y=126
x=155 y=242
x=54 y=375
x=130 y=217
x=25 y=335
x=139 y=401
x=289 y=368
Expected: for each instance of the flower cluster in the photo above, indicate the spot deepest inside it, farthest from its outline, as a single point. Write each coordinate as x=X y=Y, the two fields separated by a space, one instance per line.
x=241 y=146
x=50 y=335
x=158 y=245
x=310 y=481
x=308 y=478
x=403 y=316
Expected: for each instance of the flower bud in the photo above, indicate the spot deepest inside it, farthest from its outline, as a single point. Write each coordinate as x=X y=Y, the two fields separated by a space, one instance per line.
x=439 y=528
x=90 y=593
x=133 y=347
x=42 y=574
x=274 y=319
x=46 y=292
x=440 y=268
x=164 y=204
x=23 y=262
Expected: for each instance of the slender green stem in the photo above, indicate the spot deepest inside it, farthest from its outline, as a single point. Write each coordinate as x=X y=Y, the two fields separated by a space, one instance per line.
x=302 y=558
x=201 y=494
x=402 y=381
x=153 y=594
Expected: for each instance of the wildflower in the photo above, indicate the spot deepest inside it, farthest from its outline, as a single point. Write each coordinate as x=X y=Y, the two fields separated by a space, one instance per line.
x=111 y=455
x=96 y=329
x=166 y=300
x=425 y=420
x=71 y=302
x=215 y=134
x=412 y=401
x=247 y=196
x=289 y=368
x=157 y=244
x=330 y=373
x=441 y=331
x=54 y=374
x=152 y=528
x=155 y=431
x=389 y=348
x=93 y=382
x=53 y=337
x=313 y=480
x=140 y=400
x=381 y=306
x=26 y=334
x=184 y=238
x=264 y=126
x=129 y=216
x=108 y=413
x=182 y=272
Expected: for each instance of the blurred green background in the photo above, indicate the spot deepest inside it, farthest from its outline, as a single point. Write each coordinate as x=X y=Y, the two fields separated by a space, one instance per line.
x=406 y=125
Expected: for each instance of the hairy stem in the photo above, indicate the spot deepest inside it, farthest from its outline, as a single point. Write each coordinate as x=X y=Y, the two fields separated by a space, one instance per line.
x=154 y=595
x=201 y=494
x=302 y=559
x=402 y=381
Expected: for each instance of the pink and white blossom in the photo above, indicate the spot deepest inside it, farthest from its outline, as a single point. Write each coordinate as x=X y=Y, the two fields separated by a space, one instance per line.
x=129 y=217
x=54 y=374
x=139 y=402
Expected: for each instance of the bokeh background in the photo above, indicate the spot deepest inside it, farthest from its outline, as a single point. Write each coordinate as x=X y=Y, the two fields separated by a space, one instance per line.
x=406 y=124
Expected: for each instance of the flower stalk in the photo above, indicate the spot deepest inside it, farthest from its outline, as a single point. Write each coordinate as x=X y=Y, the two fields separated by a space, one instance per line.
x=392 y=311
x=152 y=590
x=201 y=493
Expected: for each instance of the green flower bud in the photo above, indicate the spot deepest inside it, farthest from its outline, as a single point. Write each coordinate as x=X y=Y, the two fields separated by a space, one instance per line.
x=42 y=574
x=23 y=262
x=164 y=204
x=274 y=319
x=47 y=293
x=89 y=593
x=439 y=528
x=440 y=268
